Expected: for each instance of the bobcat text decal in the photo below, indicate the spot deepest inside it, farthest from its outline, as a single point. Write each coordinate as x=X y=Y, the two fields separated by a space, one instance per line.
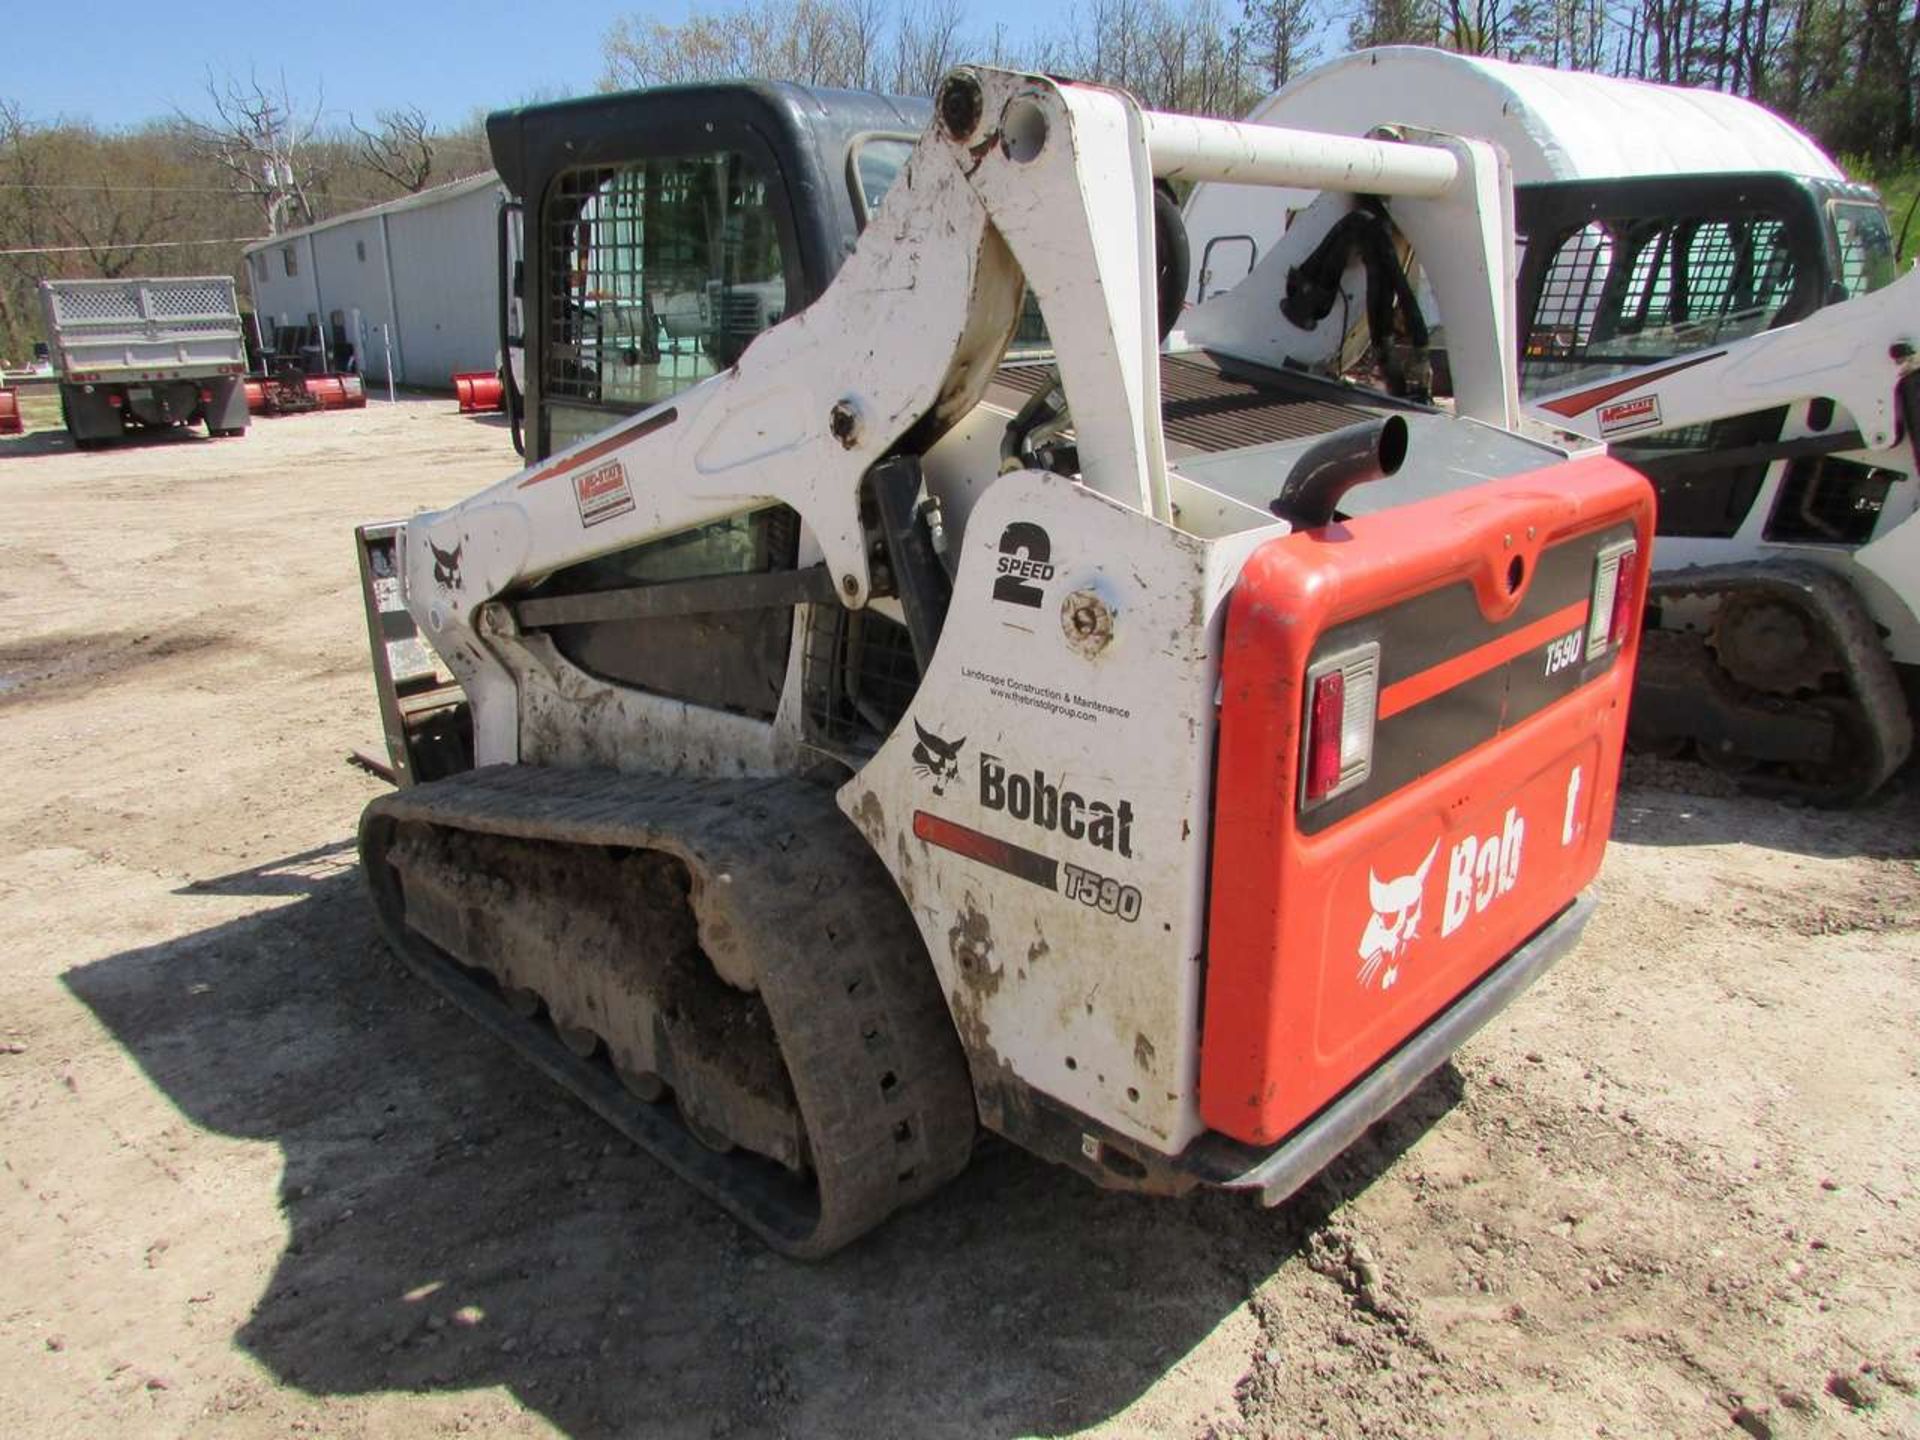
x=1480 y=869
x=1037 y=800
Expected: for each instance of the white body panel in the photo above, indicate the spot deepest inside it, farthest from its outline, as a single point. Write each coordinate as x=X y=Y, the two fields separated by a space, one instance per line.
x=1097 y=1009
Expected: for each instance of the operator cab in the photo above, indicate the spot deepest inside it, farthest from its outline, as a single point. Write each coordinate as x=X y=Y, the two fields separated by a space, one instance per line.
x=665 y=228
x=1624 y=273
x=1619 y=275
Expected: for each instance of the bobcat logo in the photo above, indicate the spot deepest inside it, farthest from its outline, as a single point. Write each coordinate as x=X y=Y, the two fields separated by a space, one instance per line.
x=1384 y=943
x=935 y=758
x=446 y=565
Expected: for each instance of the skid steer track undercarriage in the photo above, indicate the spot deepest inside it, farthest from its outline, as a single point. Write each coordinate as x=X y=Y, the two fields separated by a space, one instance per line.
x=733 y=942
x=1787 y=685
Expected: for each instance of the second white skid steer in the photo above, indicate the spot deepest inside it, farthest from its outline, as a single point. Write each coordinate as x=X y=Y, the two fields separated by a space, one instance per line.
x=1164 y=760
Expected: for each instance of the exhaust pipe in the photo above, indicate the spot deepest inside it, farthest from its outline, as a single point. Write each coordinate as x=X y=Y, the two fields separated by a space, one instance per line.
x=1334 y=464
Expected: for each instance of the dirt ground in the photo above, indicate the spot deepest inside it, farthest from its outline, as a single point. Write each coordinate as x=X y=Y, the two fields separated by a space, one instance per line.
x=257 y=1183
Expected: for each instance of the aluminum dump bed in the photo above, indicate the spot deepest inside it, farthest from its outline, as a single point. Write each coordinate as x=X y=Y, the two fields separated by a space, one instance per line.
x=147 y=329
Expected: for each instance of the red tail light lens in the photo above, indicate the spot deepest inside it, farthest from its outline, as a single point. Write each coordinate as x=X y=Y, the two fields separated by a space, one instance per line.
x=1611 y=611
x=1329 y=706
x=1343 y=693
x=1623 y=591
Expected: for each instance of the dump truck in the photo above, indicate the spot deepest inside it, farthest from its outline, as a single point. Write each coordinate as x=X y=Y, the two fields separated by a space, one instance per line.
x=910 y=700
x=1703 y=290
x=150 y=353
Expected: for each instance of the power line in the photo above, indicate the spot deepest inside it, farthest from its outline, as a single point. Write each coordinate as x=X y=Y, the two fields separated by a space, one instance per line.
x=164 y=189
x=136 y=245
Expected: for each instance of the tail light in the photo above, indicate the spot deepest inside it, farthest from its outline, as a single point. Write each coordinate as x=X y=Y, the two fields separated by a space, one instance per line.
x=206 y=397
x=1343 y=692
x=1611 y=614
x=116 y=400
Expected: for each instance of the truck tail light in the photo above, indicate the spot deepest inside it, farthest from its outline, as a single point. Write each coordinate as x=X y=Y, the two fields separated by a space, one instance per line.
x=1343 y=693
x=1611 y=614
x=116 y=400
x=206 y=397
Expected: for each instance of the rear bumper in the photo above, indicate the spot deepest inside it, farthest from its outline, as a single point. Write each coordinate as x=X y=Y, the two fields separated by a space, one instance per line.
x=1277 y=1172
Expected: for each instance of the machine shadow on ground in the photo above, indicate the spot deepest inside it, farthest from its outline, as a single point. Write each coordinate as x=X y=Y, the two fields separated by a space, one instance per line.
x=56 y=442
x=1886 y=827
x=458 y=1223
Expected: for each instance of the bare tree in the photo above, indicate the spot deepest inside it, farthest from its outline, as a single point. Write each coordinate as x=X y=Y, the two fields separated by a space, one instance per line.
x=928 y=44
x=402 y=147
x=818 y=42
x=263 y=144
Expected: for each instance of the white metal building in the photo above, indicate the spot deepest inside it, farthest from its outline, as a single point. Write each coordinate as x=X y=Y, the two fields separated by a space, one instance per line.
x=417 y=274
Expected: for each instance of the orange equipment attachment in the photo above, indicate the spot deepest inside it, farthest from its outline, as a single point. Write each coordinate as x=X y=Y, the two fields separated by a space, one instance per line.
x=1374 y=853
x=285 y=393
x=338 y=392
x=10 y=423
x=477 y=391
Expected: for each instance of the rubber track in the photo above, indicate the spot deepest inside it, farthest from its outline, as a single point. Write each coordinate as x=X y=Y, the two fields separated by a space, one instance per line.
x=877 y=1069
x=1871 y=681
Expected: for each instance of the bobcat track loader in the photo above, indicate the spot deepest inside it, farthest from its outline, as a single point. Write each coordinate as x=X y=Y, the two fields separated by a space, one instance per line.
x=846 y=733
x=1705 y=292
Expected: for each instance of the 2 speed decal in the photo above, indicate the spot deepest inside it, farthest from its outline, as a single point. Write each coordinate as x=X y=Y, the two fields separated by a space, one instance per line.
x=1024 y=566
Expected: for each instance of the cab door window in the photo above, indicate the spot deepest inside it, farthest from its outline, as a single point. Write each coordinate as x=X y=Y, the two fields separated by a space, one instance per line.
x=659 y=273
x=1623 y=293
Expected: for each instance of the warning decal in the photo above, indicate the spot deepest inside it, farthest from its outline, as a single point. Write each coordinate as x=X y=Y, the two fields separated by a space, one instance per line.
x=602 y=492
x=1629 y=415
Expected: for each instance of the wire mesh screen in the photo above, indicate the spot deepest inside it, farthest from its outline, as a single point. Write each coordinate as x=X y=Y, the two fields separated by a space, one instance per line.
x=860 y=676
x=660 y=273
x=191 y=299
x=1564 y=313
x=1622 y=294
x=96 y=303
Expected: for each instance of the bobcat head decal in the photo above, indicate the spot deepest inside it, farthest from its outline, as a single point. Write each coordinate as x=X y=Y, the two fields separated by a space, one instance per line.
x=446 y=565
x=1394 y=923
x=936 y=758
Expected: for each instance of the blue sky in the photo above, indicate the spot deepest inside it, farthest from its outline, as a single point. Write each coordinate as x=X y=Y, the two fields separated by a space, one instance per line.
x=118 y=64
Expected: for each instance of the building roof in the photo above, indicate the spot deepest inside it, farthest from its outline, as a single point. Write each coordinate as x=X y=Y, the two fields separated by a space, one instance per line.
x=434 y=195
x=1554 y=124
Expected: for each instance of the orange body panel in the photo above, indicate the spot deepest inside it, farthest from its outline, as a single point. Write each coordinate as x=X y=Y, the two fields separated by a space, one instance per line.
x=1331 y=940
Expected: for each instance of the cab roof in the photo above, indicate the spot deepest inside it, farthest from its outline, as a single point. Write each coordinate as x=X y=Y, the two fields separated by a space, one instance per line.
x=1554 y=124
